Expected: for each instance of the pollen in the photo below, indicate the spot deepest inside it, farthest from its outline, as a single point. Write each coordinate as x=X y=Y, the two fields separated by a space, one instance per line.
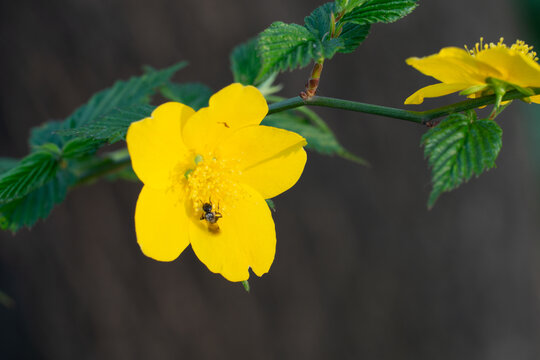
x=519 y=46
x=213 y=181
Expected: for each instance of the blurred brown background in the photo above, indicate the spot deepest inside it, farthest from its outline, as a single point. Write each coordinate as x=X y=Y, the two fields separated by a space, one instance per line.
x=363 y=270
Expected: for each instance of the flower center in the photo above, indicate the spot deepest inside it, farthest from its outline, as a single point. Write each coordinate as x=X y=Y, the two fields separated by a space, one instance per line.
x=518 y=46
x=212 y=182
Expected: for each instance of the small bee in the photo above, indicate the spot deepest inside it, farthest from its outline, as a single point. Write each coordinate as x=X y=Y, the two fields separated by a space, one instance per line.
x=209 y=214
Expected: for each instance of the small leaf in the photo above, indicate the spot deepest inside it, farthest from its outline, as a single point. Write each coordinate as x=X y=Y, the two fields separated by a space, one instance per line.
x=286 y=47
x=36 y=205
x=379 y=11
x=29 y=174
x=245 y=63
x=458 y=148
x=319 y=21
x=194 y=95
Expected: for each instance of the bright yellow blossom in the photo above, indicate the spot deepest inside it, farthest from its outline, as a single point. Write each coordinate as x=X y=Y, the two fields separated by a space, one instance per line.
x=206 y=176
x=471 y=71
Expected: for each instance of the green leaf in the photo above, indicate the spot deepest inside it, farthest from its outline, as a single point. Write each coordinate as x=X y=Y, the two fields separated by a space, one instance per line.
x=7 y=163
x=122 y=95
x=36 y=205
x=286 y=47
x=458 y=148
x=351 y=36
x=29 y=174
x=245 y=284
x=319 y=137
x=245 y=63
x=319 y=21
x=344 y=6
x=108 y=129
x=194 y=95
x=379 y=11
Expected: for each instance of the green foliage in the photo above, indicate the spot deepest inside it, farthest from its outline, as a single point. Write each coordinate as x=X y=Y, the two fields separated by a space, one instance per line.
x=30 y=189
x=29 y=174
x=245 y=63
x=123 y=95
x=194 y=95
x=331 y=28
x=308 y=124
x=271 y=204
x=108 y=129
x=286 y=46
x=379 y=11
x=35 y=205
x=458 y=148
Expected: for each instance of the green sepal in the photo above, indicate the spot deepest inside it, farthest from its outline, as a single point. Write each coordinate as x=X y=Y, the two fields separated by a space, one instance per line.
x=246 y=286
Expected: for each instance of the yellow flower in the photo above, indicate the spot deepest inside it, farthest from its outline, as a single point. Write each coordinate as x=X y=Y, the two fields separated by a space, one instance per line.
x=206 y=176
x=472 y=71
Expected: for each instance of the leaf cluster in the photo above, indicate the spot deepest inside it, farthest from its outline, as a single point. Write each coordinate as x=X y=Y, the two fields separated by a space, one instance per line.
x=63 y=151
x=336 y=27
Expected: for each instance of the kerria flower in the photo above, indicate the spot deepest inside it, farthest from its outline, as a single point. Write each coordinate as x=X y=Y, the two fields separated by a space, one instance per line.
x=206 y=176
x=484 y=70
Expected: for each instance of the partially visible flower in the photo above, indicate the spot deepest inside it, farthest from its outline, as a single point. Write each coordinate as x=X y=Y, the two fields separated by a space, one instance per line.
x=484 y=70
x=206 y=176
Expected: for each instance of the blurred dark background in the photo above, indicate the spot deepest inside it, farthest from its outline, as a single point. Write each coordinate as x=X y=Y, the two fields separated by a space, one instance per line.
x=363 y=270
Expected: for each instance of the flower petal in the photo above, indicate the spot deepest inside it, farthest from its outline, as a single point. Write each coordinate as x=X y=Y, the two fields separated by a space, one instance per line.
x=515 y=67
x=229 y=109
x=244 y=237
x=155 y=143
x=454 y=65
x=435 y=90
x=271 y=159
x=161 y=224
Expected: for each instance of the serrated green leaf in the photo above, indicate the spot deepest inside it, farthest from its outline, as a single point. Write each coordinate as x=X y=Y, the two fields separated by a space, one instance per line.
x=286 y=47
x=36 y=205
x=379 y=11
x=319 y=138
x=122 y=95
x=245 y=63
x=344 y=6
x=30 y=173
x=194 y=95
x=7 y=163
x=351 y=36
x=319 y=21
x=459 y=148
x=108 y=129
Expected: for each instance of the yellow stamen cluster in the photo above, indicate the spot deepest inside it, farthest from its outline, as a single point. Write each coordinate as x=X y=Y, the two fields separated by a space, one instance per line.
x=519 y=46
x=213 y=181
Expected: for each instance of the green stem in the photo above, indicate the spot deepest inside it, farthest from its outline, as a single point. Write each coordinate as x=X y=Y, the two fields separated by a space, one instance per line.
x=109 y=164
x=421 y=117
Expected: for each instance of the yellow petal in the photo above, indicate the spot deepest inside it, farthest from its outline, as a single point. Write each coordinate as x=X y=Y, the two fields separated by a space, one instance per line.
x=244 y=237
x=229 y=109
x=271 y=159
x=161 y=224
x=515 y=67
x=454 y=65
x=155 y=143
x=535 y=99
x=436 y=90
